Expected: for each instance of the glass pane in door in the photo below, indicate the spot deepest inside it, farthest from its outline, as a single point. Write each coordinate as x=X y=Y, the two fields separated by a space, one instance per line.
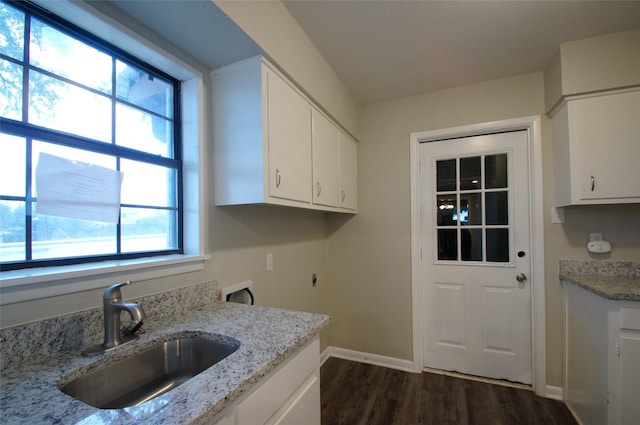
x=446 y=175
x=470 y=173
x=495 y=171
x=447 y=244
x=473 y=203
x=471 y=244
x=498 y=245
x=471 y=208
x=447 y=206
x=497 y=209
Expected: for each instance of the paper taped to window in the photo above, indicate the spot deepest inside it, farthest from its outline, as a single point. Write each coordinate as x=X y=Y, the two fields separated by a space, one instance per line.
x=74 y=189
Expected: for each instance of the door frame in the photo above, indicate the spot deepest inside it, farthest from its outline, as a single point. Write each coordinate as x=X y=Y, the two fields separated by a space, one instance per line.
x=531 y=124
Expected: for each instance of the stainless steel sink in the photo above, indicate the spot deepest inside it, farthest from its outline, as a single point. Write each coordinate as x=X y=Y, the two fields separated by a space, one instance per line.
x=150 y=373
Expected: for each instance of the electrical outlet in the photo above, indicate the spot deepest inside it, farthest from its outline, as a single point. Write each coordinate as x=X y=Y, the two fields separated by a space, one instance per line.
x=269 y=262
x=595 y=236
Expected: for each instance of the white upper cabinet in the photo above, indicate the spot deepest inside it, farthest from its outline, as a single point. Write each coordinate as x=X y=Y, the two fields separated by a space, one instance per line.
x=326 y=137
x=271 y=144
x=289 y=141
x=348 y=173
x=262 y=137
x=596 y=146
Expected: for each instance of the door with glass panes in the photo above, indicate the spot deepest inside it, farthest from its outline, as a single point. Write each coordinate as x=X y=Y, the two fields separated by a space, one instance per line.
x=475 y=255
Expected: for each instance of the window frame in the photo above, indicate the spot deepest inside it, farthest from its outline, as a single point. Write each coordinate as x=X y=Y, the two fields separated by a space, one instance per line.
x=36 y=283
x=31 y=133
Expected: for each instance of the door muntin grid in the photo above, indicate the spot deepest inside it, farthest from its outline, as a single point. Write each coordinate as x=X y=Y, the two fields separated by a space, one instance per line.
x=473 y=204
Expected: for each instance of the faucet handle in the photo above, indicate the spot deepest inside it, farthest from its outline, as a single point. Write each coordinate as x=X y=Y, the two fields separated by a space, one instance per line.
x=113 y=291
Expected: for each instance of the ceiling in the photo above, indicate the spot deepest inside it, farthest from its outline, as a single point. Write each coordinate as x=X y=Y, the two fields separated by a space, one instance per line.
x=198 y=27
x=388 y=49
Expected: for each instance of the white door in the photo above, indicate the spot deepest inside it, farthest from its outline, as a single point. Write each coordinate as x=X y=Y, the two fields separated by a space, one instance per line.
x=475 y=223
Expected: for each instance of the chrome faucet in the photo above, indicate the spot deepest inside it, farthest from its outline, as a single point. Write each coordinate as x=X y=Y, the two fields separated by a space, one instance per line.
x=113 y=306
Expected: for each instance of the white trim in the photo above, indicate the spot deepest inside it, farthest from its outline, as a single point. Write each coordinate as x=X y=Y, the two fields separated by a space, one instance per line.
x=555 y=393
x=31 y=284
x=574 y=414
x=245 y=284
x=325 y=355
x=551 y=392
x=368 y=358
x=607 y=92
x=478 y=379
x=416 y=255
x=532 y=125
x=194 y=166
x=92 y=18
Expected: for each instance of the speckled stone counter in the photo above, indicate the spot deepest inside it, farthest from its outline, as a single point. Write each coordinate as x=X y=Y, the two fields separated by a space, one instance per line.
x=37 y=358
x=614 y=280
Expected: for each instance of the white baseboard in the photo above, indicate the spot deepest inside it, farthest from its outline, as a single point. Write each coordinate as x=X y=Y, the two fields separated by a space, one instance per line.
x=324 y=356
x=552 y=392
x=575 y=416
x=373 y=359
x=555 y=393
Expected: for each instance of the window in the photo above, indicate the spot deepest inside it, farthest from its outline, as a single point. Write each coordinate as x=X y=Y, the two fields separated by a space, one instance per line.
x=472 y=198
x=100 y=127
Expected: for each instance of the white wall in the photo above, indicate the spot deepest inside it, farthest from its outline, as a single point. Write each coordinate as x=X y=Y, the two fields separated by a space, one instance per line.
x=370 y=256
x=271 y=26
x=593 y=64
x=237 y=238
x=364 y=262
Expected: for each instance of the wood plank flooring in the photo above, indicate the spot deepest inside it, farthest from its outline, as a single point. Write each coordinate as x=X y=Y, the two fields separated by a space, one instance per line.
x=355 y=393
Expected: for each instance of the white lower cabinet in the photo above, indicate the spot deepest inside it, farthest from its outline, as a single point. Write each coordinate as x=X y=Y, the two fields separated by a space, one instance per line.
x=305 y=405
x=625 y=406
x=290 y=395
x=227 y=419
x=602 y=353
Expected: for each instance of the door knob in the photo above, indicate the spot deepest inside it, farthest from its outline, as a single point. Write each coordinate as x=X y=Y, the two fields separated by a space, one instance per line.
x=521 y=277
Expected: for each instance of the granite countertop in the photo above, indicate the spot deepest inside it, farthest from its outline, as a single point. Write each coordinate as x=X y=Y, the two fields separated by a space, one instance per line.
x=29 y=392
x=614 y=280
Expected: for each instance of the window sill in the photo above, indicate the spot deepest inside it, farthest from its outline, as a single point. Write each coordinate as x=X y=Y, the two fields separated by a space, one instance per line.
x=31 y=284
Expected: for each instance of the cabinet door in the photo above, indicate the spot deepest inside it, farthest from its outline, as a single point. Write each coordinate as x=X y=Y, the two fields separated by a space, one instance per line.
x=289 y=141
x=305 y=405
x=325 y=161
x=348 y=173
x=605 y=137
x=629 y=379
x=585 y=393
x=266 y=400
x=228 y=418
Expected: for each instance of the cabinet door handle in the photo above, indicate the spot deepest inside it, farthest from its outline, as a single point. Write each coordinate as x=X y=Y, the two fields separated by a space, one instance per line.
x=593 y=183
x=344 y=195
x=319 y=189
x=277 y=178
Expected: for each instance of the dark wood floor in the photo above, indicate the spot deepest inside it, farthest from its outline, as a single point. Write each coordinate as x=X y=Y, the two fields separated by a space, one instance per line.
x=355 y=393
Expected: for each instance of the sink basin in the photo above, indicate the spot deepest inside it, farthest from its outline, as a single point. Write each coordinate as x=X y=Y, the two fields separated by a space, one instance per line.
x=150 y=373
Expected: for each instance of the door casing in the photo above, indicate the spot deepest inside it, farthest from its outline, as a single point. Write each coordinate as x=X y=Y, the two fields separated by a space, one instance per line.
x=532 y=125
